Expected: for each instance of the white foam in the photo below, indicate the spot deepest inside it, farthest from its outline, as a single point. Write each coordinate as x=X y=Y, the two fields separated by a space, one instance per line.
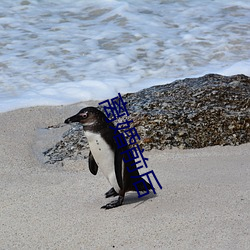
x=61 y=52
x=242 y=67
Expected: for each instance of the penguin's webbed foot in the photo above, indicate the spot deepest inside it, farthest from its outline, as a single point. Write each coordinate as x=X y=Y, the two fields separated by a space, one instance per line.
x=113 y=204
x=111 y=193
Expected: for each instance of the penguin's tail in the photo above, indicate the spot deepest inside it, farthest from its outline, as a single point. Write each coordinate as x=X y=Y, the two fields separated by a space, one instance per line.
x=141 y=185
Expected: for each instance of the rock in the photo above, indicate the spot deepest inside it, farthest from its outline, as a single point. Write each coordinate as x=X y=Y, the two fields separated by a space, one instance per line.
x=190 y=113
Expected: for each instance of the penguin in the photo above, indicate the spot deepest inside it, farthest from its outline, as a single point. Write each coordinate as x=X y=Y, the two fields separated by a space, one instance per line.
x=106 y=155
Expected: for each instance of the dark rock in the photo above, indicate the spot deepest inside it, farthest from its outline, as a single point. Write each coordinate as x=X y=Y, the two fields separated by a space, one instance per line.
x=190 y=113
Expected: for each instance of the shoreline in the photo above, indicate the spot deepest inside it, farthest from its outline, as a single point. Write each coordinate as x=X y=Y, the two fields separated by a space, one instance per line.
x=204 y=202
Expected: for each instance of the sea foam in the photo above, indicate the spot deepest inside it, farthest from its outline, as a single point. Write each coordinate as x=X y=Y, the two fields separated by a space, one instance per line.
x=63 y=52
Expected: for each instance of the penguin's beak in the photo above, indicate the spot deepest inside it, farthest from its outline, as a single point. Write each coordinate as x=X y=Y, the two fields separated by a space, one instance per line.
x=74 y=118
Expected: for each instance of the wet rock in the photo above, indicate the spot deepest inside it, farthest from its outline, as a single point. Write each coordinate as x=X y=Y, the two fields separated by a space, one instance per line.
x=190 y=113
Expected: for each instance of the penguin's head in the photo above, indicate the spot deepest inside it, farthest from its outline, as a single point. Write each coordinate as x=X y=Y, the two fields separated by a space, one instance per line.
x=89 y=117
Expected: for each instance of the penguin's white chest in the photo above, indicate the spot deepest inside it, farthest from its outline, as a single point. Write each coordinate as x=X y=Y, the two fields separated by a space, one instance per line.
x=104 y=157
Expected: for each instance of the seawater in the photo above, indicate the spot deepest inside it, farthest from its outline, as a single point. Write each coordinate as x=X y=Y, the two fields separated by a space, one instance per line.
x=61 y=52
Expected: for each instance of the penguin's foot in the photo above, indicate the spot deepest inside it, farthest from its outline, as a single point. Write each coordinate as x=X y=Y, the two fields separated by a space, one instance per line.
x=113 y=204
x=111 y=193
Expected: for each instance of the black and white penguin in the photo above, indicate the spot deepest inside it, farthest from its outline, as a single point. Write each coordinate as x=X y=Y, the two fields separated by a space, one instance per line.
x=105 y=154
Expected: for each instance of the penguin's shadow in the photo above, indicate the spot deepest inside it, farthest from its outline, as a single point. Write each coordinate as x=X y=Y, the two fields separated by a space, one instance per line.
x=132 y=198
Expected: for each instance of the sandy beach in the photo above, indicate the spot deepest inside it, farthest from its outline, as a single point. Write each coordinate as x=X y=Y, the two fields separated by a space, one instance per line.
x=204 y=202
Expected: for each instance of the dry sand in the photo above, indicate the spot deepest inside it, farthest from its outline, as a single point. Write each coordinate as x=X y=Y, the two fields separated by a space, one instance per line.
x=204 y=203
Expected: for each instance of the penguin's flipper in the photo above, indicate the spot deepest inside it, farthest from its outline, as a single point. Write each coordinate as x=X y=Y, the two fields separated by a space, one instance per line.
x=93 y=167
x=111 y=193
x=113 y=204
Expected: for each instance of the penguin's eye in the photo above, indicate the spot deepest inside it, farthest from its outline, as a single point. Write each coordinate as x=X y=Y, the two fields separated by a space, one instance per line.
x=84 y=115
